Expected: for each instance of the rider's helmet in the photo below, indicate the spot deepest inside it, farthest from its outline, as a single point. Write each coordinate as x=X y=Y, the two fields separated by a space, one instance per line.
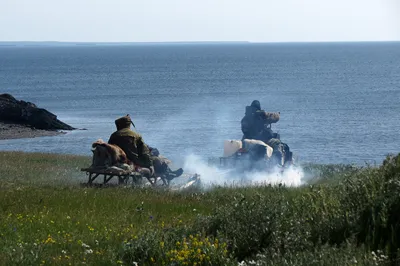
x=256 y=104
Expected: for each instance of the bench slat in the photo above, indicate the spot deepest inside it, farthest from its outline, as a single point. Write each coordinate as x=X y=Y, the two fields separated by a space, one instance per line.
x=113 y=172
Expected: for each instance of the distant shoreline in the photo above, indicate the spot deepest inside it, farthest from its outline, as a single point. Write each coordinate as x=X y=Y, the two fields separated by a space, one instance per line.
x=56 y=43
x=17 y=131
x=29 y=43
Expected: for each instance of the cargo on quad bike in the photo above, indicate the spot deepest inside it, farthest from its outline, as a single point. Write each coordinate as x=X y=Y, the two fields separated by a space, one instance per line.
x=250 y=154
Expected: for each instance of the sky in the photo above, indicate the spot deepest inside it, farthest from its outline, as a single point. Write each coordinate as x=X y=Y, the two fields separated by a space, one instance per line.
x=199 y=20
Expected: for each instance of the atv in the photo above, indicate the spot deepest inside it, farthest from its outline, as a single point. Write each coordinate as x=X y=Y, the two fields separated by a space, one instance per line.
x=249 y=154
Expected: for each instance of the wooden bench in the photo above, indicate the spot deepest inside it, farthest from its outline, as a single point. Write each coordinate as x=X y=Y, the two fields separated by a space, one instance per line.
x=123 y=175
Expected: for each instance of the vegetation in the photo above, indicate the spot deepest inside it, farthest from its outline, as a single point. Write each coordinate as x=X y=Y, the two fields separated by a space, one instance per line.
x=348 y=216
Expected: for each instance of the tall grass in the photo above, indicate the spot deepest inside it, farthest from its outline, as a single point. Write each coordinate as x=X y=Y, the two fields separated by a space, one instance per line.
x=348 y=216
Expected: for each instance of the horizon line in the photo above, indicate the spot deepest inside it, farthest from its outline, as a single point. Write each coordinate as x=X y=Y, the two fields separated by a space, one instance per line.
x=33 y=43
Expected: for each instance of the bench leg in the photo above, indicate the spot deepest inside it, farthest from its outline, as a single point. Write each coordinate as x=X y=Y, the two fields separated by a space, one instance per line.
x=123 y=179
x=107 y=179
x=92 y=177
x=136 y=180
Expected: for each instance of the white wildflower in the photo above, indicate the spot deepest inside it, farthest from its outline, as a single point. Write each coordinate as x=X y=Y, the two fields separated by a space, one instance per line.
x=262 y=256
x=88 y=251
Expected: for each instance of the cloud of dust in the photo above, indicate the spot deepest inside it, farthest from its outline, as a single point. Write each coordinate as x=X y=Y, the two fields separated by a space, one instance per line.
x=213 y=175
x=198 y=128
x=197 y=131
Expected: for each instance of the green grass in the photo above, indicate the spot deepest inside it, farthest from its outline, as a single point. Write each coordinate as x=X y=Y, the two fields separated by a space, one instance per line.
x=348 y=216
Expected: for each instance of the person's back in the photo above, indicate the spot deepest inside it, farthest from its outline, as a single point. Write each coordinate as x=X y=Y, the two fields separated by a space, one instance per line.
x=251 y=123
x=130 y=142
x=138 y=152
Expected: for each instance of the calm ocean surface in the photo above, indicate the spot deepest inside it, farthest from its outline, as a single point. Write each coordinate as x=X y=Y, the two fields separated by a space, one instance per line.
x=339 y=103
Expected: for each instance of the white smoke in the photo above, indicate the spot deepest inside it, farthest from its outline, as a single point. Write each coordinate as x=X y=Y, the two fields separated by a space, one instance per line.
x=213 y=175
x=197 y=131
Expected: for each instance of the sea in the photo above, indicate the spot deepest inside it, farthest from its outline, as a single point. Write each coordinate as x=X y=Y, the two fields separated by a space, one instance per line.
x=338 y=102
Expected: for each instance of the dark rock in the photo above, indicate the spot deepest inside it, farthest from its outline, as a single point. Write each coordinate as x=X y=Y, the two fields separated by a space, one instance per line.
x=27 y=113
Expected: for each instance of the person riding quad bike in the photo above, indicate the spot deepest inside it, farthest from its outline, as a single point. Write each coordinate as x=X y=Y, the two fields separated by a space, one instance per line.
x=256 y=124
x=252 y=121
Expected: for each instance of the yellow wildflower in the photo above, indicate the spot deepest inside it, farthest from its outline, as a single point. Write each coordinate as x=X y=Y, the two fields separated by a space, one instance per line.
x=49 y=240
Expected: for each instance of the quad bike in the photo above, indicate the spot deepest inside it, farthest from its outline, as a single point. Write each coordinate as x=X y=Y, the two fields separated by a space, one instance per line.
x=248 y=155
x=255 y=154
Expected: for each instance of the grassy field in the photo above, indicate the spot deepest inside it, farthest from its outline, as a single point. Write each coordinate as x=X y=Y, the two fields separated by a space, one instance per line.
x=349 y=216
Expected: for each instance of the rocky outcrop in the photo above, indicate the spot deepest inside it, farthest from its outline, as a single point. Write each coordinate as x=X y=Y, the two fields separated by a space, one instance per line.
x=26 y=113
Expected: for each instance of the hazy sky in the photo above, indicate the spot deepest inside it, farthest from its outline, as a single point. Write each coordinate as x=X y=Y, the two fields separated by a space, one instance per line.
x=199 y=20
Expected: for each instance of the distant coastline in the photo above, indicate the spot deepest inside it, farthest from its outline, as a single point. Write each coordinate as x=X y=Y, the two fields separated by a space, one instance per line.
x=17 y=131
x=51 y=43
x=56 y=43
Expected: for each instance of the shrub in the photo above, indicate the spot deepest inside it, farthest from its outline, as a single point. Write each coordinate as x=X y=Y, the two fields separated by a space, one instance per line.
x=346 y=255
x=175 y=247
